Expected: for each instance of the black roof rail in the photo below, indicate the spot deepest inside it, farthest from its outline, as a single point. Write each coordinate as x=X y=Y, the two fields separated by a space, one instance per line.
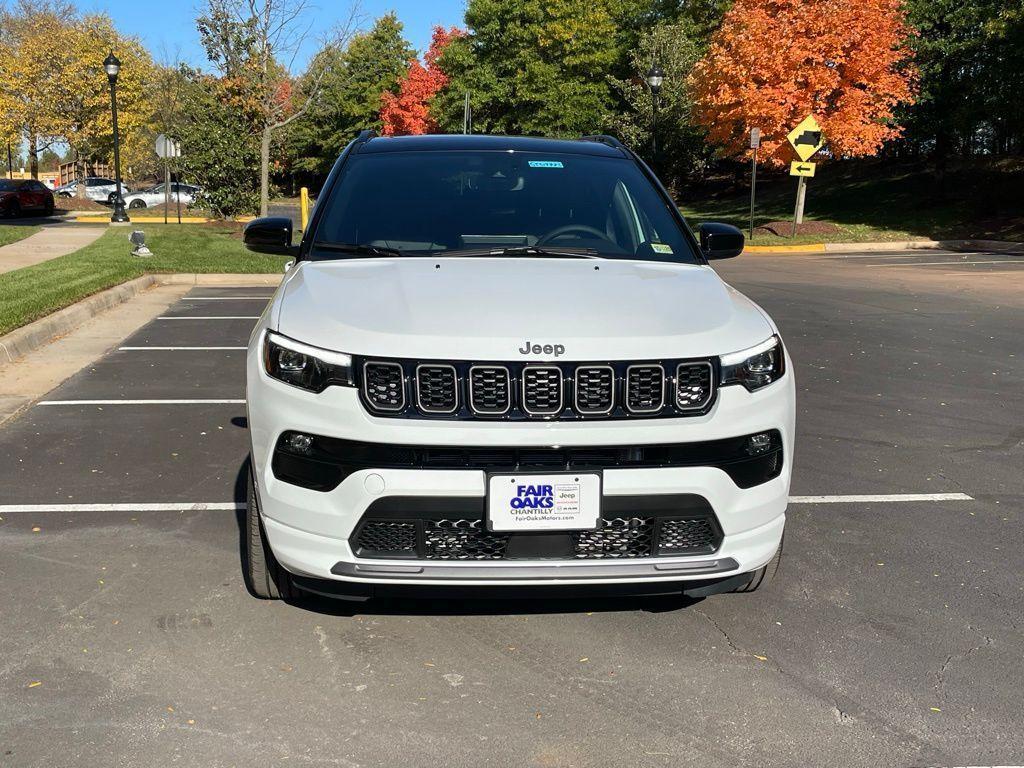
x=365 y=135
x=602 y=138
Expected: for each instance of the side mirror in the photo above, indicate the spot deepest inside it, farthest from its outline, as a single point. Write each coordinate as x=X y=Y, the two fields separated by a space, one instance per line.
x=271 y=234
x=720 y=241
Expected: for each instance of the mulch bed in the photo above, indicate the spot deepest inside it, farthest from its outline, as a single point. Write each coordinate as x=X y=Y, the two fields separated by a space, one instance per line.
x=65 y=204
x=785 y=228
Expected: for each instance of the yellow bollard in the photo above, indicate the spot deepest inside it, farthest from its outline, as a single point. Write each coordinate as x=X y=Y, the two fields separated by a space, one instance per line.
x=304 y=206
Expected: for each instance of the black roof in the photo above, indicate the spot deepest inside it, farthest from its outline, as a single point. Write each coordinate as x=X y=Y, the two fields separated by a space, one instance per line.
x=484 y=142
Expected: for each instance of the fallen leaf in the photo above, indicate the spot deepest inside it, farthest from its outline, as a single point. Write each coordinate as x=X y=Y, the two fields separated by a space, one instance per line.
x=36 y=529
x=760 y=658
x=935 y=709
x=35 y=684
x=584 y=659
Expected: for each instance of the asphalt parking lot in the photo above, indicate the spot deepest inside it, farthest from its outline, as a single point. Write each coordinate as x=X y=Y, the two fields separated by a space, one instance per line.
x=892 y=636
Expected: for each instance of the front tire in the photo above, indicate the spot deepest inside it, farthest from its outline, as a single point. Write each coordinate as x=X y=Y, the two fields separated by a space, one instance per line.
x=137 y=204
x=264 y=576
x=764 y=575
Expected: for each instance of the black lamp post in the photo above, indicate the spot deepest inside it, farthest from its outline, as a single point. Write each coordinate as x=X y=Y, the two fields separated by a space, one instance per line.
x=113 y=67
x=655 y=77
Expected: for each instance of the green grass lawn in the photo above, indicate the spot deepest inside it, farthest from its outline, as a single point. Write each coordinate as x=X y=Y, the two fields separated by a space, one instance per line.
x=875 y=201
x=30 y=293
x=11 y=233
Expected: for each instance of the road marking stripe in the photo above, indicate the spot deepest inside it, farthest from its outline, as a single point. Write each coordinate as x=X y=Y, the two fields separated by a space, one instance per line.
x=947 y=263
x=212 y=317
x=139 y=402
x=168 y=507
x=232 y=506
x=869 y=498
x=171 y=349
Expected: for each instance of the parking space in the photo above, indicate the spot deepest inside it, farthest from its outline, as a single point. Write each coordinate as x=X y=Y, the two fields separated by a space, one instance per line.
x=127 y=636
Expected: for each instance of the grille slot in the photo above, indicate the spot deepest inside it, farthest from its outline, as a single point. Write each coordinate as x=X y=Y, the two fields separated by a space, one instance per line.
x=690 y=536
x=595 y=390
x=384 y=386
x=542 y=390
x=620 y=537
x=645 y=388
x=694 y=385
x=437 y=389
x=489 y=390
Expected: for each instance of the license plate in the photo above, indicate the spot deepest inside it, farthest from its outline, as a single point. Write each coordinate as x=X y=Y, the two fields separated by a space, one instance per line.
x=536 y=502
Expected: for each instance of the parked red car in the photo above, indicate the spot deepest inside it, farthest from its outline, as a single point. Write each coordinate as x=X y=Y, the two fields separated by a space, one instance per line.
x=20 y=197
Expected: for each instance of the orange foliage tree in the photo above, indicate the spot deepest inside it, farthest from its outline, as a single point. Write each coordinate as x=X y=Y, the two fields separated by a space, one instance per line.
x=408 y=111
x=773 y=62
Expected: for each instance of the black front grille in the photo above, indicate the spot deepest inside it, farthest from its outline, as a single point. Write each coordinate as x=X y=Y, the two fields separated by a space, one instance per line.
x=694 y=385
x=490 y=390
x=595 y=389
x=517 y=391
x=415 y=528
x=384 y=386
x=327 y=461
x=645 y=388
x=437 y=389
x=542 y=390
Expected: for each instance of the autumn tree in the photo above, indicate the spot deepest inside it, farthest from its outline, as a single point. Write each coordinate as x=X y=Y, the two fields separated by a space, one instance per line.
x=254 y=44
x=408 y=111
x=773 y=62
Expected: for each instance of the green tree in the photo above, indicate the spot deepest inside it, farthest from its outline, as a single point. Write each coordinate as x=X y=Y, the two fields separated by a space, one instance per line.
x=349 y=95
x=533 y=67
x=219 y=151
x=682 y=151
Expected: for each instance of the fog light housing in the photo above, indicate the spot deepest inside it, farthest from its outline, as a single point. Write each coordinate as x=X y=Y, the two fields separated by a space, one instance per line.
x=759 y=443
x=299 y=443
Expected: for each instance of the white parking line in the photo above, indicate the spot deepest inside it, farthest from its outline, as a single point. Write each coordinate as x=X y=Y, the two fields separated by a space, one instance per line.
x=172 y=349
x=169 y=507
x=946 y=263
x=232 y=506
x=212 y=317
x=140 y=402
x=882 y=498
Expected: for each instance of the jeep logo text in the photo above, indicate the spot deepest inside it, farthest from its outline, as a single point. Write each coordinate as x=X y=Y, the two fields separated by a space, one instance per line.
x=542 y=349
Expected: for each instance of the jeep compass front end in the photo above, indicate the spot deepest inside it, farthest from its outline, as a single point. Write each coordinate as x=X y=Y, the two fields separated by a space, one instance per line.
x=506 y=361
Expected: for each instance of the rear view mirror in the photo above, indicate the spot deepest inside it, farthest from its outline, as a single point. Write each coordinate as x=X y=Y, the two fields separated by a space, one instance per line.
x=720 y=241
x=271 y=234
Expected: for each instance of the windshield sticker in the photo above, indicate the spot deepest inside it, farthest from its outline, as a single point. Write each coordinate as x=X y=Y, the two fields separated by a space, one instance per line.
x=661 y=248
x=545 y=163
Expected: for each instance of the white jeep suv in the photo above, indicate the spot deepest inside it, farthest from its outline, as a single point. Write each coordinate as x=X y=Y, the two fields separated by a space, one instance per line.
x=506 y=362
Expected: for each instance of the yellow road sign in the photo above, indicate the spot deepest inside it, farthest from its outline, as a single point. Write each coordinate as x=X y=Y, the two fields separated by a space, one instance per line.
x=807 y=138
x=797 y=168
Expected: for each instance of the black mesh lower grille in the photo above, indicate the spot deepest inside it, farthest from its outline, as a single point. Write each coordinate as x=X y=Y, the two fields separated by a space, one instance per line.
x=619 y=537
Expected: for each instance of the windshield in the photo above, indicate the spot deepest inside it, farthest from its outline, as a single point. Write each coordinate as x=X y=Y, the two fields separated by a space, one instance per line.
x=475 y=203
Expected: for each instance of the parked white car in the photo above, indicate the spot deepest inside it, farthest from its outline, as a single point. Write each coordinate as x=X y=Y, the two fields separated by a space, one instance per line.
x=97 y=188
x=507 y=362
x=180 y=193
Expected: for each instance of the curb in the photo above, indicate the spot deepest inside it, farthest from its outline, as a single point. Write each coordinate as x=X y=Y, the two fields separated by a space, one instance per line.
x=28 y=338
x=1001 y=246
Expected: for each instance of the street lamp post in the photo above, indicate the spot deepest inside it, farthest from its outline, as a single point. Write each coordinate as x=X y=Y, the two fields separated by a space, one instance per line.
x=113 y=67
x=655 y=77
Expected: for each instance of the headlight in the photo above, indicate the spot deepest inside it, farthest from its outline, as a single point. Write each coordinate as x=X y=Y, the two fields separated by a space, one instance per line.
x=303 y=366
x=755 y=367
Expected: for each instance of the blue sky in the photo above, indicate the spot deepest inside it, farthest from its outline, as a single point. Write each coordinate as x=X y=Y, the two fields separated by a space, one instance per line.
x=168 y=26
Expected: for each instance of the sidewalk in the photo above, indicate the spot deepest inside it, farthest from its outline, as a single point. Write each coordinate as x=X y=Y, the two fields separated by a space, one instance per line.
x=48 y=244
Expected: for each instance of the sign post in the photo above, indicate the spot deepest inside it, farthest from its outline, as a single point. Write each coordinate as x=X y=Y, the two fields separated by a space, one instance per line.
x=806 y=139
x=755 y=142
x=167 y=149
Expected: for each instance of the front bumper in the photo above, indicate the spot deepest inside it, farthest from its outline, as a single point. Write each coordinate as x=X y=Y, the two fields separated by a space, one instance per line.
x=311 y=531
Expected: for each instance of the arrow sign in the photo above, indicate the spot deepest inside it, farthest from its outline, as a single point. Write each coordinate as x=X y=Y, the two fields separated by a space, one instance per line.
x=807 y=138
x=801 y=169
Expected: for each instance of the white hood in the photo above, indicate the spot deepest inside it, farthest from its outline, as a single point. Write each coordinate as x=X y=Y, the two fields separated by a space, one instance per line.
x=489 y=308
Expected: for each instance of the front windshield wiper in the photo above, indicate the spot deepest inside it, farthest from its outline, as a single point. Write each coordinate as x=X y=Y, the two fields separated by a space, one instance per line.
x=359 y=249
x=527 y=250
